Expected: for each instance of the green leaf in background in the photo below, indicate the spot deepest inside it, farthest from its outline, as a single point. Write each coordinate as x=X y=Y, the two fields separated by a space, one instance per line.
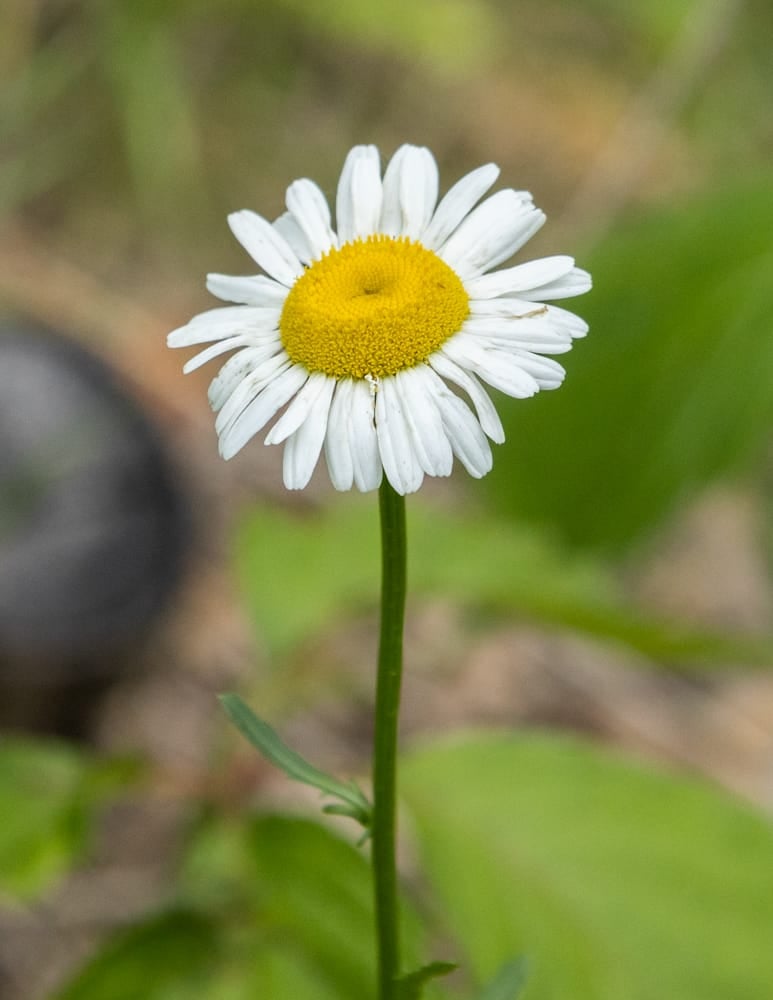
x=670 y=391
x=616 y=881
x=450 y=35
x=267 y=742
x=48 y=796
x=168 y=957
x=272 y=974
x=509 y=982
x=315 y=894
x=299 y=574
x=268 y=907
x=311 y=896
x=314 y=900
x=157 y=113
x=649 y=24
x=185 y=955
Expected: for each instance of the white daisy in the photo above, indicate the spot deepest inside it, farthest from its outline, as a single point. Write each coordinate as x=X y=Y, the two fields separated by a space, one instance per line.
x=374 y=336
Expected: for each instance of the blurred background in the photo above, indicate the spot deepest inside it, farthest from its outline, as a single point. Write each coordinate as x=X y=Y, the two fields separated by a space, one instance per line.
x=610 y=578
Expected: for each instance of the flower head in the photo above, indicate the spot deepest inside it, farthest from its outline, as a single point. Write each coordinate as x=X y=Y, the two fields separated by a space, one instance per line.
x=373 y=338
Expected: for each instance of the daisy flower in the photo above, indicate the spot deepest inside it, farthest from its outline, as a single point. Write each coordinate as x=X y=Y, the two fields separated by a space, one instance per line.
x=373 y=338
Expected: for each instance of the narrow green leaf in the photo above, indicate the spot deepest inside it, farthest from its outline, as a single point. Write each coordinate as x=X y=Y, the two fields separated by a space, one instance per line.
x=267 y=741
x=411 y=986
x=508 y=982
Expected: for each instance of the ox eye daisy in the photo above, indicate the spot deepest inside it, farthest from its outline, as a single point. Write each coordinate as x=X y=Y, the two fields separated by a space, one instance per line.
x=370 y=341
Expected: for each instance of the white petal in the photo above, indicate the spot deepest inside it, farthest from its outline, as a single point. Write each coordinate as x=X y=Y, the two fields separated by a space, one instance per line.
x=299 y=409
x=237 y=314
x=288 y=228
x=484 y=407
x=338 y=452
x=245 y=390
x=255 y=290
x=401 y=464
x=391 y=223
x=358 y=201
x=301 y=452
x=260 y=410
x=548 y=373
x=576 y=282
x=264 y=244
x=501 y=371
x=524 y=277
x=509 y=306
x=239 y=367
x=312 y=213
x=410 y=192
x=414 y=387
x=457 y=202
x=496 y=367
x=363 y=438
x=214 y=351
x=550 y=327
x=551 y=343
x=464 y=433
x=351 y=444
x=491 y=233
x=563 y=320
x=539 y=335
x=225 y=321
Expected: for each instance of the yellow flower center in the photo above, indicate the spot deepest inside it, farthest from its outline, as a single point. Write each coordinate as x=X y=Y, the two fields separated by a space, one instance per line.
x=372 y=308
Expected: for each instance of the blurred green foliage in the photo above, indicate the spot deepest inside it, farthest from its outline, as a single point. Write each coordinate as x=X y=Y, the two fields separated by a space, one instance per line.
x=121 y=117
x=168 y=956
x=50 y=794
x=671 y=390
x=144 y=104
x=268 y=907
x=615 y=880
x=451 y=35
x=300 y=573
x=325 y=563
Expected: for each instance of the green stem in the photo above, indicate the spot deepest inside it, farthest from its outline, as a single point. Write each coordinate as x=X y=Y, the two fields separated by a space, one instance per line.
x=390 y=668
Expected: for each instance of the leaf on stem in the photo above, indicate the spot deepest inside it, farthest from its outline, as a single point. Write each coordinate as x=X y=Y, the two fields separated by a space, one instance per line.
x=267 y=742
x=410 y=987
x=508 y=982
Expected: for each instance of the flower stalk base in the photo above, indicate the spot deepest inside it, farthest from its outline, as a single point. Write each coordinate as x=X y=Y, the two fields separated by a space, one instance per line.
x=390 y=666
